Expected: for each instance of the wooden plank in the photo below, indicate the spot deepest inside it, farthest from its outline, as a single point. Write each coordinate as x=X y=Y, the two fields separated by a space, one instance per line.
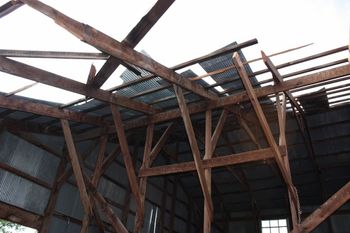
x=126 y=155
x=9 y=7
x=99 y=162
x=325 y=210
x=140 y=213
x=264 y=124
x=133 y=38
x=208 y=155
x=194 y=147
x=21 y=104
x=17 y=215
x=233 y=159
x=78 y=173
x=38 y=75
x=277 y=77
x=113 y=47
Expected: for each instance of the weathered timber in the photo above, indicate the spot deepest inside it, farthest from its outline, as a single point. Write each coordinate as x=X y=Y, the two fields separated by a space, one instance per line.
x=194 y=147
x=133 y=38
x=217 y=132
x=24 y=105
x=325 y=210
x=221 y=161
x=51 y=79
x=52 y=54
x=78 y=173
x=126 y=155
x=264 y=125
x=9 y=7
x=207 y=172
x=113 y=47
x=232 y=99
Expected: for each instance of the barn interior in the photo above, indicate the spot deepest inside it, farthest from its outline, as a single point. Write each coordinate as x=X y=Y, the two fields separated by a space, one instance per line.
x=167 y=151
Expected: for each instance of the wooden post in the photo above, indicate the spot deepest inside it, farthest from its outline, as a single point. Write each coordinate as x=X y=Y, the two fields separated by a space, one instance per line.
x=194 y=147
x=207 y=172
x=78 y=173
x=281 y=113
x=143 y=180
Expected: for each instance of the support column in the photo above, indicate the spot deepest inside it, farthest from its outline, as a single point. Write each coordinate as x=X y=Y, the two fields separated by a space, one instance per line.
x=207 y=172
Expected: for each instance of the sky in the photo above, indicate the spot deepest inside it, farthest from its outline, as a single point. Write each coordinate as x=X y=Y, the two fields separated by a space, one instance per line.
x=187 y=30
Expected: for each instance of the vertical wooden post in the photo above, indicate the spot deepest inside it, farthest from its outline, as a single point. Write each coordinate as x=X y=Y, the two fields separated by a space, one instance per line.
x=173 y=205
x=163 y=205
x=281 y=113
x=78 y=173
x=207 y=172
x=140 y=214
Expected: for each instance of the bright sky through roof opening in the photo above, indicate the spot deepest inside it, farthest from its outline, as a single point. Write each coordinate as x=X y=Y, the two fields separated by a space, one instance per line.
x=187 y=30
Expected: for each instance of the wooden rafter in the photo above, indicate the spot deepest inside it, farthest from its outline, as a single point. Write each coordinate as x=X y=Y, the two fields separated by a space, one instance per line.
x=113 y=47
x=194 y=147
x=265 y=126
x=51 y=79
x=132 y=39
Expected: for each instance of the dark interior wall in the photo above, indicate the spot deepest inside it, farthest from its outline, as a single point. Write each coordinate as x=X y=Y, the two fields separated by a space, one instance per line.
x=14 y=190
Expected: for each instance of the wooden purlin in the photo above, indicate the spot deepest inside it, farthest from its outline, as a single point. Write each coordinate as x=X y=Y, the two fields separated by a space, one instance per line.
x=113 y=47
x=9 y=7
x=133 y=38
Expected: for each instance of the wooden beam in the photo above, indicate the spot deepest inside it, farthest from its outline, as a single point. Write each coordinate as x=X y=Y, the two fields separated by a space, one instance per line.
x=219 y=127
x=194 y=147
x=140 y=213
x=161 y=142
x=17 y=215
x=9 y=7
x=126 y=155
x=133 y=38
x=78 y=173
x=207 y=172
x=108 y=211
x=24 y=105
x=282 y=115
x=113 y=47
x=52 y=54
x=264 y=125
x=230 y=100
x=277 y=77
x=325 y=210
x=38 y=75
x=221 y=161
